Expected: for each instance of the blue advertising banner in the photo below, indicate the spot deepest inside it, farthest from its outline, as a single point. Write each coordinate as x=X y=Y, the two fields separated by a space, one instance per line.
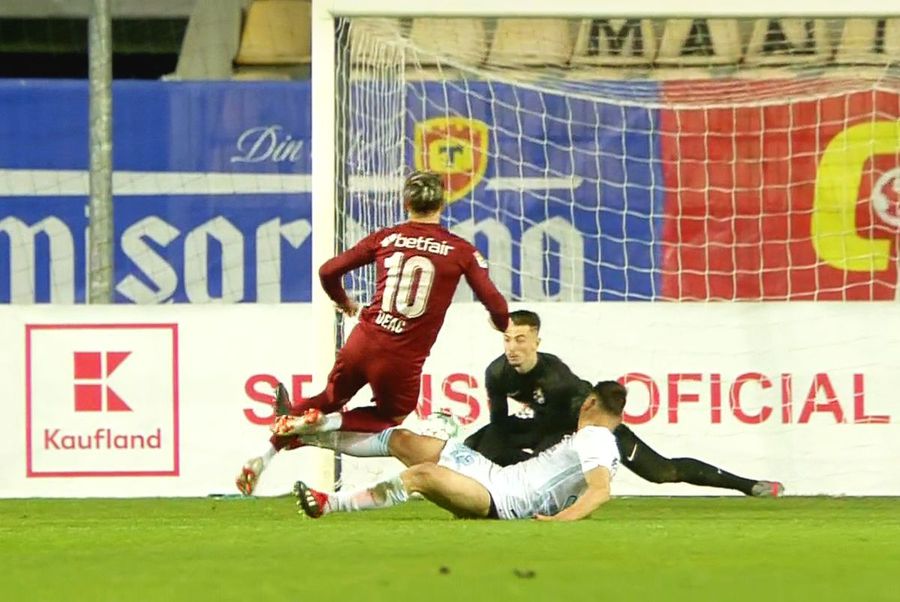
x=211 y=191
x=566 y=190
x=562 y=193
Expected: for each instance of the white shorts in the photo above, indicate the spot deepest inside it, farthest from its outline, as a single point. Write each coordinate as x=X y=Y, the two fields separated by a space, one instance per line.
x=510 y=498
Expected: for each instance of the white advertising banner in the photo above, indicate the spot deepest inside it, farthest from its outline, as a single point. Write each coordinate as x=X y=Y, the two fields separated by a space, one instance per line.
x=804 y=393
x=171 y=400
x=147 y=400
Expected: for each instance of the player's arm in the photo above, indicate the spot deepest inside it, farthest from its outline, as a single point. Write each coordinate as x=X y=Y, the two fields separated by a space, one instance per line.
x=596 y=495
x=569 y=392
x=496 y=393
x=331 y=273
x=476 y=274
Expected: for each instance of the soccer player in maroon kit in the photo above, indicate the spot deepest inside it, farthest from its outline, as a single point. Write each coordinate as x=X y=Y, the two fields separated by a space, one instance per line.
x=419 y=264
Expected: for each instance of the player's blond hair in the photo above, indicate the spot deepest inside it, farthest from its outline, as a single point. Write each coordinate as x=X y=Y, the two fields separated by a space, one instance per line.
x=423 y=192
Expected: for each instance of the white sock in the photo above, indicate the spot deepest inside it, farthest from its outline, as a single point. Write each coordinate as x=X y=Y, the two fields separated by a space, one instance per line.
x=330 y=422
x=268 y=455
x=381 y=495
x=361 y=445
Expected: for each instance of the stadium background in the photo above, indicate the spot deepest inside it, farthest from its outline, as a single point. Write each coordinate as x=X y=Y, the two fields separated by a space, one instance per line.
x=213 y=224
x=660 y=240
x=751 y=360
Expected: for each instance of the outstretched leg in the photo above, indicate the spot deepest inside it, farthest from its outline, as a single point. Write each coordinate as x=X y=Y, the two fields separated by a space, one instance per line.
x=411 y=448
x=643 y=461
x=408 y=447
x=369 y=439
x=464 y=497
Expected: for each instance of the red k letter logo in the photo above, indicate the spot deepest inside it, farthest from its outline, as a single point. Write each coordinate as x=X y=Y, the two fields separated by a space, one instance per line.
x=91 y=389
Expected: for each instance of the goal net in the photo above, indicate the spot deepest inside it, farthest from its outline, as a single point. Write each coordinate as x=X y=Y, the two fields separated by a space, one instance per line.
x=638 y=159
x=656 y=160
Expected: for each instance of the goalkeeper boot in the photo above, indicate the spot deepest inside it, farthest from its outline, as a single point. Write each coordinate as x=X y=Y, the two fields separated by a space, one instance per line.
x=248 y=478
x=311 y=501
x=767 y=489
x=305 y=424
x=282 y=401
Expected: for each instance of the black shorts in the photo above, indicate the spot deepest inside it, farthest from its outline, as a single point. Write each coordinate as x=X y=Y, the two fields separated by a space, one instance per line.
x=492 y=512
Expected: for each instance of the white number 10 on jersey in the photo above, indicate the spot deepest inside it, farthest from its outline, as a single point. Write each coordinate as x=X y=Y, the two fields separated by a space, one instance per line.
x=401 y=276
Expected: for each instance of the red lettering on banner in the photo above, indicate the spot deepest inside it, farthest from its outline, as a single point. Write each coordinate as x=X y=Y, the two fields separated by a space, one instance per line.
x=460 y=393
x=859 y=404
x=653 y=392
x=452 y=391
x=735 y=398
x=259 y=389
x=787 y=399
x=821 y=387
x=459 y=388
x=474 y=409
x=715 y=395
x=812 y=405
x=297 y=382
x=676 y=396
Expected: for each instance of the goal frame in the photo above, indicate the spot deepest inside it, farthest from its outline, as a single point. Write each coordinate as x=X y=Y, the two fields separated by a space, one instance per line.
x=325 y=13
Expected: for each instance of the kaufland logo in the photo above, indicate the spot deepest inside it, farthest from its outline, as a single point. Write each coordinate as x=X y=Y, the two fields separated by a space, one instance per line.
x=102 y=400
x=92 y=394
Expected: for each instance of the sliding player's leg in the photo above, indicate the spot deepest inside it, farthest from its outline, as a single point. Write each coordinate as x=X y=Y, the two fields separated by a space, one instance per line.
x=450 y=490
x=408 y=447
x=643 y=461
x=463 y=496
x=412 y=448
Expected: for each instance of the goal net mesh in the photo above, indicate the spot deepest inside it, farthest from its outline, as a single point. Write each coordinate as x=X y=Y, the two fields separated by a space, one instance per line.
x=635 y=159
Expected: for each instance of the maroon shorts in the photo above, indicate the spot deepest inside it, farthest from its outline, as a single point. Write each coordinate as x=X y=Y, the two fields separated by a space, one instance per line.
x=395 y=379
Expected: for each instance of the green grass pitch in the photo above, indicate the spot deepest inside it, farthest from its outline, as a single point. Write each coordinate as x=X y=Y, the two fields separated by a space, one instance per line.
x=633 y=549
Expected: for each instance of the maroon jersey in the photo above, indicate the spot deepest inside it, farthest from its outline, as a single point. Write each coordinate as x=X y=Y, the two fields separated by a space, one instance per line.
x=418 y=266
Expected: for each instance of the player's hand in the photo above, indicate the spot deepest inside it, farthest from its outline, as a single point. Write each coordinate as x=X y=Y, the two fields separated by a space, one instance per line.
x=349 y=309
x=543 y=517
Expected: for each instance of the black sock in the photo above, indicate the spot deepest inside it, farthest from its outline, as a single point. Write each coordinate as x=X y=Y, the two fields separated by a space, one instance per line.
x=696 y=472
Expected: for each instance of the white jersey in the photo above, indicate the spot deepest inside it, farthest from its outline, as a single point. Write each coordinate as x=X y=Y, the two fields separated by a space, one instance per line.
x=542 y=485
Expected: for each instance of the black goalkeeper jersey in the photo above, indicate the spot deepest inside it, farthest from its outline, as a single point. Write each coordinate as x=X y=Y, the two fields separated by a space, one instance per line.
x=550 y=389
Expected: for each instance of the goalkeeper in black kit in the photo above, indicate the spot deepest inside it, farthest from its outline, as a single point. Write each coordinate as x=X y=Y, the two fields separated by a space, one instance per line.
x=552 y=395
